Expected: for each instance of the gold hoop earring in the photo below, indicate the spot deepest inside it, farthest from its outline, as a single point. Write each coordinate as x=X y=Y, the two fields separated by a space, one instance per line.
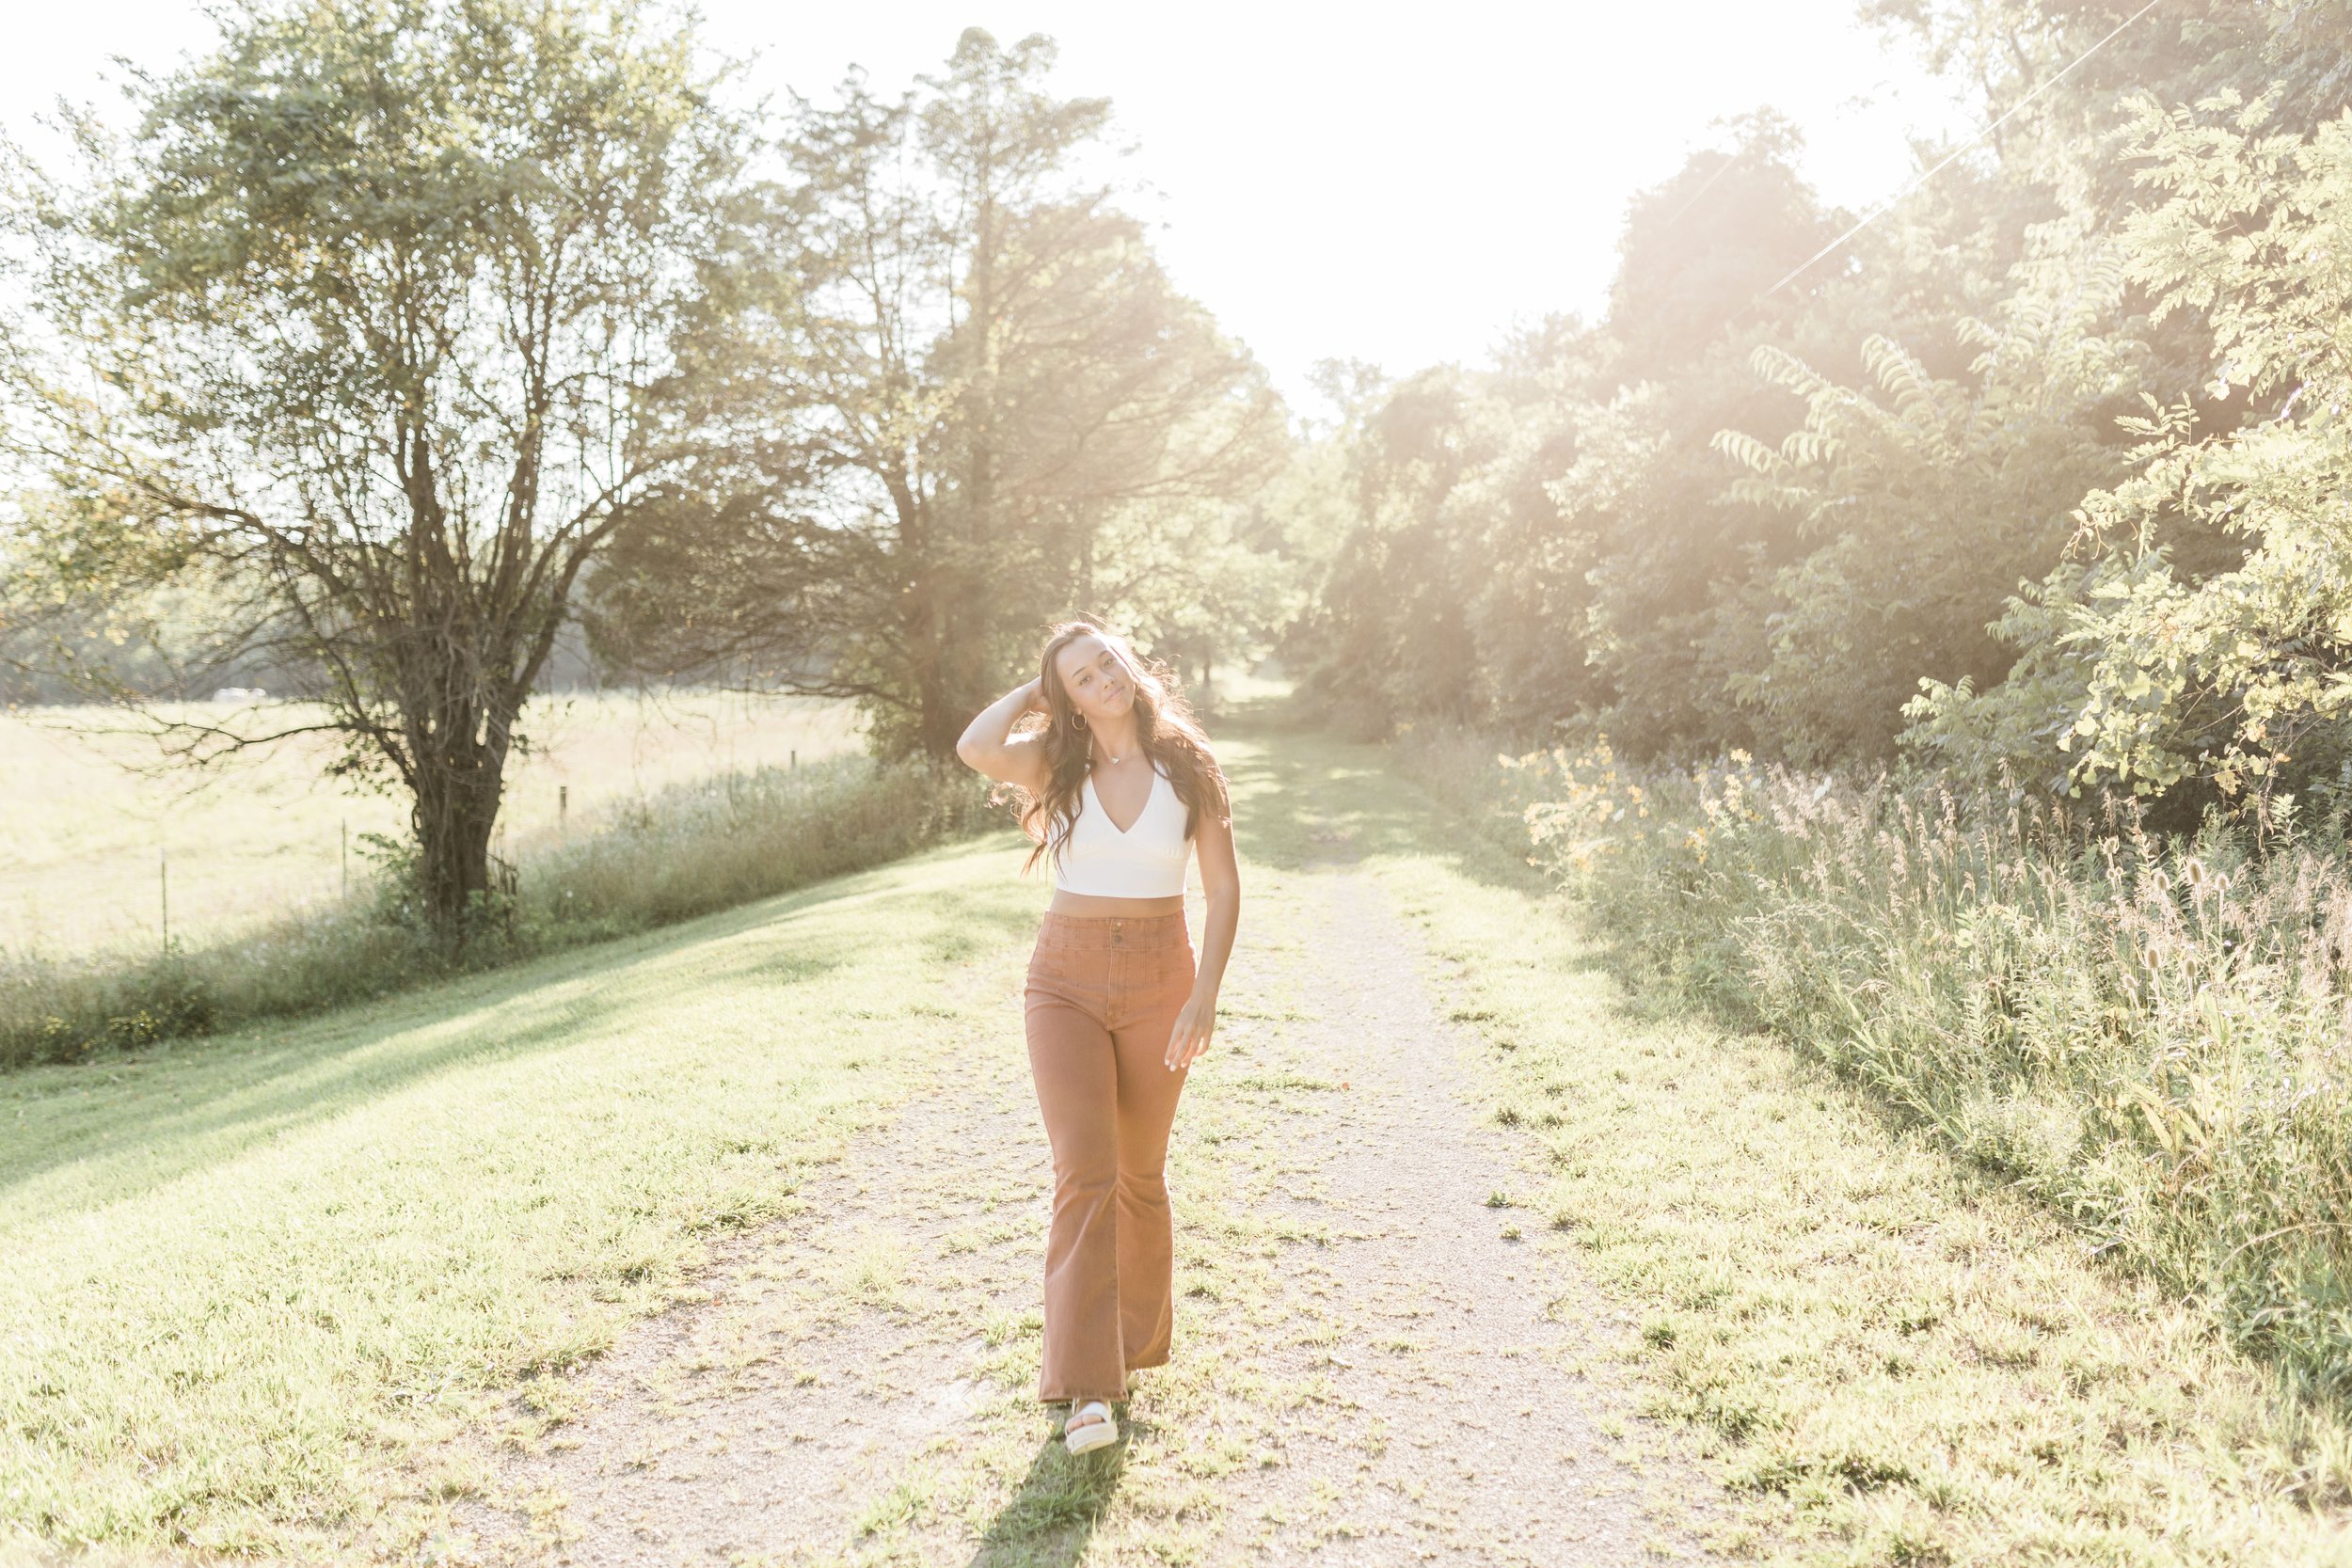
x=1078 y=719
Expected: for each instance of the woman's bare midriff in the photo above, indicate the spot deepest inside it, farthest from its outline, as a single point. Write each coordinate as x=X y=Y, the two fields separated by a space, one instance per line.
x=1065 y=902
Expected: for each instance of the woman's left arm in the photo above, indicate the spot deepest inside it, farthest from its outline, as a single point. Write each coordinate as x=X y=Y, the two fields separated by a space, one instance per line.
x=1220 y=880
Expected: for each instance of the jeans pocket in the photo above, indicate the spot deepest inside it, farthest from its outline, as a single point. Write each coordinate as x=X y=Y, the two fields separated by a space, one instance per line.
x=1177 y=973
x=1054 y=970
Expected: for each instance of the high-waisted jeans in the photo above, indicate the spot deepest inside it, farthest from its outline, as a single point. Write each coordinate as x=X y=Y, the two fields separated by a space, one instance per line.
x=1103 y=996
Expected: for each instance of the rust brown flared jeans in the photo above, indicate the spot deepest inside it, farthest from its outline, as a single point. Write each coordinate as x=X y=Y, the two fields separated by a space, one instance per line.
x=1103 y=996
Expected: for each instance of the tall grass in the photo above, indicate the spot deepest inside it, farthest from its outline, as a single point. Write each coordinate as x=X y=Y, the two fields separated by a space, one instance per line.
x=93 y=809
x=692 y=848
x=2152 y=1032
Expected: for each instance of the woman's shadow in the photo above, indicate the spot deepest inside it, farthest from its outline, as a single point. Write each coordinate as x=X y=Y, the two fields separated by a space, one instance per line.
x=1047 y=1522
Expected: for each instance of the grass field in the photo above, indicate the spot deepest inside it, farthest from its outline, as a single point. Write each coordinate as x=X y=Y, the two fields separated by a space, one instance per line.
x=246 y=1279
x=255 y=1288
x=80 y=842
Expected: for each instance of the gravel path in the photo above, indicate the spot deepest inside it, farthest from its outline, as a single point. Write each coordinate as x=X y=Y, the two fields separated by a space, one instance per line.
x=765 y=1423
x=1372 y=1366
x=1468 y=1407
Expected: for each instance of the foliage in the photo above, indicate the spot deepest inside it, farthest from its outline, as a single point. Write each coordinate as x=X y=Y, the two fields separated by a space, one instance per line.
x=2142 y=1030
x=2241 y=676
x=1924 y=502
x=1436 y=482
x=1553 y=536
x=366 y=330
x=2016 y=730
x=982 y=403
x=2037 y=473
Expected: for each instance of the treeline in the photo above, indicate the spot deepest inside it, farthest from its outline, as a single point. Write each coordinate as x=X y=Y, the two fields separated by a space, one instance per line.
x=396 y=343
x=2040 y=474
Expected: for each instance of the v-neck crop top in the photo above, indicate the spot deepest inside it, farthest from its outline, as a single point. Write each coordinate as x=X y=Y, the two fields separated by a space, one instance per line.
x=1146 y=860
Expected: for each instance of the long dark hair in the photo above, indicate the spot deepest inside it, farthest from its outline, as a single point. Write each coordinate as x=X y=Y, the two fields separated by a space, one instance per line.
x=1165 y=728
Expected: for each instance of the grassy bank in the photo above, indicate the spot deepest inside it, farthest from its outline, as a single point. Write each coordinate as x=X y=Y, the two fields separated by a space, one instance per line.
x=2146 y=1032
x=248 y=1282
x=706 y=844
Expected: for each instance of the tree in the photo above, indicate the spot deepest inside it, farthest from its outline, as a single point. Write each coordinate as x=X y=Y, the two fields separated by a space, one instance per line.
x=983 y=404
x=2239 y=677
x=1458 y=588
x=369 y=323
x=1708 y=273
x=1925 y=503
x=2178 y=52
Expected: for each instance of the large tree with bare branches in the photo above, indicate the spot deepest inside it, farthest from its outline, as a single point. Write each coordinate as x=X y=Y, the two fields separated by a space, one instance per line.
x=368 y=329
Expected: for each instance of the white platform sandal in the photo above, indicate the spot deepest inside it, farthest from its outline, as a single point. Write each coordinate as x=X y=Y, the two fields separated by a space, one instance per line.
x=1093 y=1434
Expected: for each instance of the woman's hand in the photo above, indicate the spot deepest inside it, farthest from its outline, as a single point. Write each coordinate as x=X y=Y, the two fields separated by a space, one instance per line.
x=1191 y=1035
x=1034 y=701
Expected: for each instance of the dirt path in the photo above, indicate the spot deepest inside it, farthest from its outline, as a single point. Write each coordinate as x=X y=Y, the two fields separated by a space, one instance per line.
x=1372 y=1364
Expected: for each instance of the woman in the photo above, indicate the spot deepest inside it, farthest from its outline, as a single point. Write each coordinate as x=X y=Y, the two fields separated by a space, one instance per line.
x=1117 y=787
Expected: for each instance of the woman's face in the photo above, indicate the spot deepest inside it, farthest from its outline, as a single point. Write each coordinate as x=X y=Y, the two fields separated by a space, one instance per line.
x=1097 y=681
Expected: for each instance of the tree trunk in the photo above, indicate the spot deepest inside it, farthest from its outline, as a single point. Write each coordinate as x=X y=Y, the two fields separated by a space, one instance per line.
x=459 y=787
x=940 y=696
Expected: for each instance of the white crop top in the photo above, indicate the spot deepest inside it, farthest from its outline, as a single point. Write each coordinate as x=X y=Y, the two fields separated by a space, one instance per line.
x=1146 y=860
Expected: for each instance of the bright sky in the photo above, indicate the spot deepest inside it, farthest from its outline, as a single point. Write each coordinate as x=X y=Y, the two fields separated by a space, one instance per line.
x=1397 y=184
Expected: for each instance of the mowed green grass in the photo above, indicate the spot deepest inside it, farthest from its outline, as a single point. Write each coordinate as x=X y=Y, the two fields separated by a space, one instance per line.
x=248 y=1281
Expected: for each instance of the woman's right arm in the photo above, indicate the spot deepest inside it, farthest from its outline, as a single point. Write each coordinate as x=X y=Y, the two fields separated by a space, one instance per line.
x=989 y=745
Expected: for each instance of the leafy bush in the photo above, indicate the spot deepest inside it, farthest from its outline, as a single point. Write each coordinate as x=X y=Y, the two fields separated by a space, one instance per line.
x=1923 y=501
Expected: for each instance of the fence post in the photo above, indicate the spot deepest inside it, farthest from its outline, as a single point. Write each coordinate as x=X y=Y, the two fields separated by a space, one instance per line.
x=563 y=810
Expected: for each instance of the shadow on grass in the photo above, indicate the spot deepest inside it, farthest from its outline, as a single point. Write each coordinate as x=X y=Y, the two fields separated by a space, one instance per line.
x=1048 y=1522
x=184 y=1106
